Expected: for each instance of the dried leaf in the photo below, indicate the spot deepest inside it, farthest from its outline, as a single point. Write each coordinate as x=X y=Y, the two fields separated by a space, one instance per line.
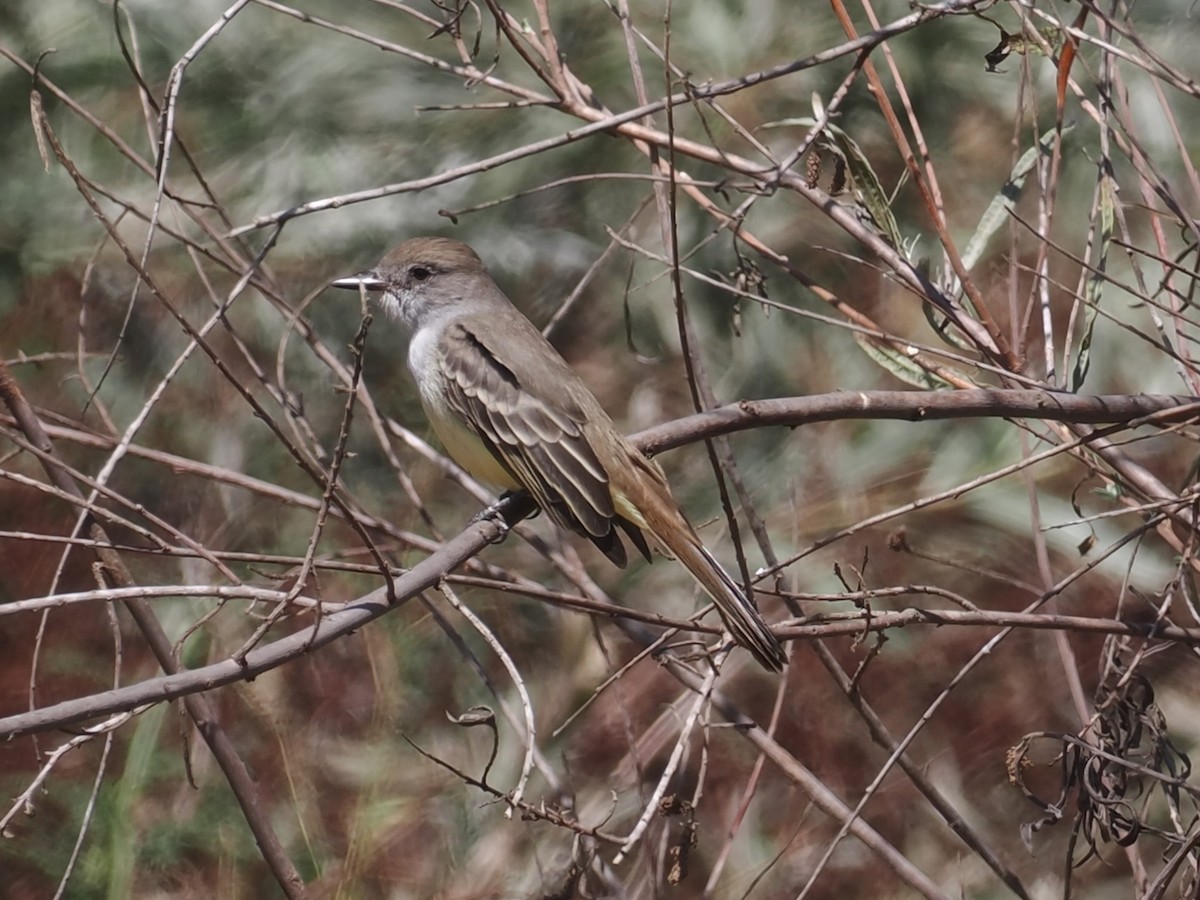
x=1022 y=45
x=39 y=132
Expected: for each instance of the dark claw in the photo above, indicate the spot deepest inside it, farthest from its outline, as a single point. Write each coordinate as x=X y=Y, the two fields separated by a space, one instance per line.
x=495 y=512
x=510 y=508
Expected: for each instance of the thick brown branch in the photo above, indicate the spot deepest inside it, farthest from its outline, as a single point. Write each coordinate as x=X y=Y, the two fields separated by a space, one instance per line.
x=908 y=405
x=919 y=406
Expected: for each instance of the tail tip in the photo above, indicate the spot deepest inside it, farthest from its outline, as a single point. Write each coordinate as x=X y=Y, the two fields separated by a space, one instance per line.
x=765 y=648
x=774 y=659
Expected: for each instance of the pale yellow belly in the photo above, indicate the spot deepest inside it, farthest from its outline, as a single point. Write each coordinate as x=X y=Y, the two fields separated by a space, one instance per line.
x=466 y=449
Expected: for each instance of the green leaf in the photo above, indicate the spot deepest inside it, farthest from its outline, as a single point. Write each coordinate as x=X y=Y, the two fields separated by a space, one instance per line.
x=866 y=183
x=996 y=215
x=1094 y=286
x=943 y=328
x=900 y=365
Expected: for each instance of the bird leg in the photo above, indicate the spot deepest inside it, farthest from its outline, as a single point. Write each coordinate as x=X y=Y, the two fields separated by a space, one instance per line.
x=502 y=509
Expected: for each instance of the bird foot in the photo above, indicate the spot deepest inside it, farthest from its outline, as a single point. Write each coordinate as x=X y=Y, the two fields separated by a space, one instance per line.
x=495 y=513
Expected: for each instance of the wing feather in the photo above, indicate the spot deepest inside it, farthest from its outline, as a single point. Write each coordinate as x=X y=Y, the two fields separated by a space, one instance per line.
x=542 y=444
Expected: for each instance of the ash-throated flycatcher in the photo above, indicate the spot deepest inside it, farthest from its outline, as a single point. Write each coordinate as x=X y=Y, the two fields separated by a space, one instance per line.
x=511 y=412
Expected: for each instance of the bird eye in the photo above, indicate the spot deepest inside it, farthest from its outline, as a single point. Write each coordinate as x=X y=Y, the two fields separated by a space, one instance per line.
x=420 y=273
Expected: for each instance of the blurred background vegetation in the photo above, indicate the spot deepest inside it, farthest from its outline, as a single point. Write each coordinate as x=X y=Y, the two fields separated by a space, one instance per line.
x=287 y=105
